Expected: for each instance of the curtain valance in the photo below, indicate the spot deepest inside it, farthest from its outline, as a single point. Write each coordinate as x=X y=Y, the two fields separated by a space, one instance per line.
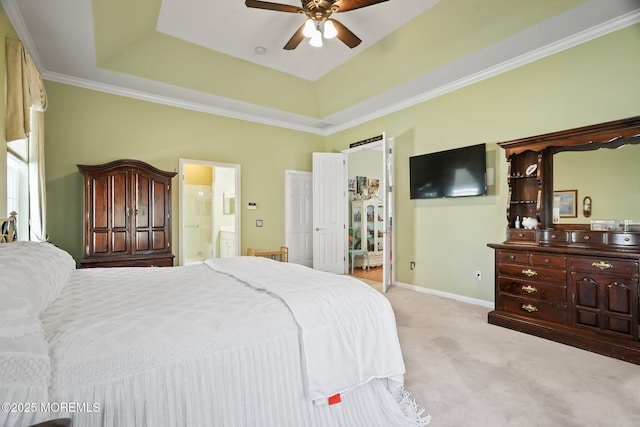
x=25 y=90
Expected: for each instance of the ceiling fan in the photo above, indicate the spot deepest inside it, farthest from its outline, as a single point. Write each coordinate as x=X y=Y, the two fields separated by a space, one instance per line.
x=318 y=23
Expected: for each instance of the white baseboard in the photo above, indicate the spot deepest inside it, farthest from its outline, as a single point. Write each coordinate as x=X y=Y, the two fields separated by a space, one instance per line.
x=468 y=300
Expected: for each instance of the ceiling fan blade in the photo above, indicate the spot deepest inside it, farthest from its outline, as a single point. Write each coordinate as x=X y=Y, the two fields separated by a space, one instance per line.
x=345 y=5
x=345 y=35
x=272 y=6
x=295 y=39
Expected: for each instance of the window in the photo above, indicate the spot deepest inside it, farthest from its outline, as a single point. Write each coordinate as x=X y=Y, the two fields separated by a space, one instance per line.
x=18 y=184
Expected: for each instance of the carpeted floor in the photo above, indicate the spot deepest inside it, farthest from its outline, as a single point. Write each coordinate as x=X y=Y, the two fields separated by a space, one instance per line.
x=466 y=372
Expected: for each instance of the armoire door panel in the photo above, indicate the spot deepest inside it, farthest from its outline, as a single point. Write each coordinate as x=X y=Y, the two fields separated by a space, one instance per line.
x=100 y=242
x=119 y=241
x=119 y=200
x=99 y=202
x=159 y=239
x=142 y=201
x=142 y=240
x=159 y=204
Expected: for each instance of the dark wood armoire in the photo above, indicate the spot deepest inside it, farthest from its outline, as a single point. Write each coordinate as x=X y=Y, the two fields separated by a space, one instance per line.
x=127 y=215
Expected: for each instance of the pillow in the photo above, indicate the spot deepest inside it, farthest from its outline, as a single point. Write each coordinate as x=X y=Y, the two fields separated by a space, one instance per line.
x=33 y=275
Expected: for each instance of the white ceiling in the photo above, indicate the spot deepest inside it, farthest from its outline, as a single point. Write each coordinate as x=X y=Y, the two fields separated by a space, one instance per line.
x=59 y=36
x=228 y=26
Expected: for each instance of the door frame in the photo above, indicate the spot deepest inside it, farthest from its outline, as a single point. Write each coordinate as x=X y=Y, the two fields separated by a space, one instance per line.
x=238 y=220
x=389 y=274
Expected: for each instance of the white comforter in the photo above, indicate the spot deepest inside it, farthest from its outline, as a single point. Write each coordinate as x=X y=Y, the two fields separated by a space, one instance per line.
x=348 y=331
x=192 y=346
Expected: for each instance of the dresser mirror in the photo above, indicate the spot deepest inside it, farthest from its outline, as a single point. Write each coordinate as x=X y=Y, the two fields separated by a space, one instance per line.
x=609 y=177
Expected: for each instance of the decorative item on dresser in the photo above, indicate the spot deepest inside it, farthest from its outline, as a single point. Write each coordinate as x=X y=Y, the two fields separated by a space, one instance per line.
x=127 y=215
x=572 y=283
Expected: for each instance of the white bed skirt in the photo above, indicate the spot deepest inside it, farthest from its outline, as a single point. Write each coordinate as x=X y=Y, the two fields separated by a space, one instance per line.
x=130 y=347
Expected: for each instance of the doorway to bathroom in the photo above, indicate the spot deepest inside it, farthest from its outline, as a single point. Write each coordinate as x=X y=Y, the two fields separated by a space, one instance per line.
x=209 y=210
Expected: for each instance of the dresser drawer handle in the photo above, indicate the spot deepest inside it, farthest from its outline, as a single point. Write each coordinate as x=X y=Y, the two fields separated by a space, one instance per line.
x=520 y=235
x=529 y=272
x=529 y=289
x=602 y=265
x=553 y=236
x=626 y=239
x=529 y=308
x=586 y=237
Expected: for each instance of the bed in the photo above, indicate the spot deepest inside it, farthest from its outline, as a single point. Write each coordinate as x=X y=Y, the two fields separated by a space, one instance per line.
x=242 y=341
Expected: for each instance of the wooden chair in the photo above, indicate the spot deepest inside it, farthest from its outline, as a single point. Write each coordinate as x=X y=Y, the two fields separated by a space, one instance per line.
x=282 y=254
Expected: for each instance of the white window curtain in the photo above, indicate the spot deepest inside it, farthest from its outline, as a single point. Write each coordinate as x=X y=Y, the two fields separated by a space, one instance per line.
x=26 y=103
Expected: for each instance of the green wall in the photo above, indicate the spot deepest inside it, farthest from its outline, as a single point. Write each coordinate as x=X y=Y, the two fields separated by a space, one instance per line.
x=591 y=83
x=89 y=127
x=595 y=82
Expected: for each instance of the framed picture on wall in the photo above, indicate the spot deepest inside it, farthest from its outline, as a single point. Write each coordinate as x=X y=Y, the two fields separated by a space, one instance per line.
x=352 y=184
x=565 y=202
x=361 y=182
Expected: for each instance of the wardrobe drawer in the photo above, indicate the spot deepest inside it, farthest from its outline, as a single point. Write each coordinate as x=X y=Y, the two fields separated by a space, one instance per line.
x=533 y=309
x=539 y=291
x=533 y=273
x=605 y=265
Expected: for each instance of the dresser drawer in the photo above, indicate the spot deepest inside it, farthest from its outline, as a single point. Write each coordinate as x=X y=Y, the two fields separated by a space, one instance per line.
x=605 y=265
x=588 y=237
x=521 y=235
x=533 y=273
x=554 y=236
x=539 y=310
x=539 y=291
x=549 y=260
x=624 y=239
x=513 y=257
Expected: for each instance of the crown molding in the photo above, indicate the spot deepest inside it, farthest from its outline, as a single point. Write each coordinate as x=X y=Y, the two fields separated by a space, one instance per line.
x=427 y=87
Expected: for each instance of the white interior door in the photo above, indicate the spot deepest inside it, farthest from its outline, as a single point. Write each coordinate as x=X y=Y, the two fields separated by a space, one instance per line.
x=330 y=212
x=298 y=213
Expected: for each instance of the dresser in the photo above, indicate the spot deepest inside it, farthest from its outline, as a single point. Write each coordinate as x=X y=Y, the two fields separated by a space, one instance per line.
x=570 y=282
x=127 y=215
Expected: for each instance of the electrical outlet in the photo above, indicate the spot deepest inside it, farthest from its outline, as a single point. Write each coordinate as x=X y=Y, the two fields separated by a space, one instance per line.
x=479 y=275
x=412 y=265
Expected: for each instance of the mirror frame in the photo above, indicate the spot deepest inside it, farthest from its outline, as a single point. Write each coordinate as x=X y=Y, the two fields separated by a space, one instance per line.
x=611 y=134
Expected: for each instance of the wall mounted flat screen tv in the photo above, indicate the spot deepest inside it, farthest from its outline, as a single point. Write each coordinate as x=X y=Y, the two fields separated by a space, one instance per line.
x=460 y=172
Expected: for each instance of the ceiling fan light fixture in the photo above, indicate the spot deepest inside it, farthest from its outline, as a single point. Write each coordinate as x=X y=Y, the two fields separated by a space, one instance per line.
x=329 y=30
x=316 y=40
x=309 y=28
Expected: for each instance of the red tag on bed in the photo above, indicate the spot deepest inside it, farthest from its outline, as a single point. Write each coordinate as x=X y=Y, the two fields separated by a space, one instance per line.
x=334 y=399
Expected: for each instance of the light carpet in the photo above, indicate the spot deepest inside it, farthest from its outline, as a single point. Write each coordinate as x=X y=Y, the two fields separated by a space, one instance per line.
x=466 y=372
